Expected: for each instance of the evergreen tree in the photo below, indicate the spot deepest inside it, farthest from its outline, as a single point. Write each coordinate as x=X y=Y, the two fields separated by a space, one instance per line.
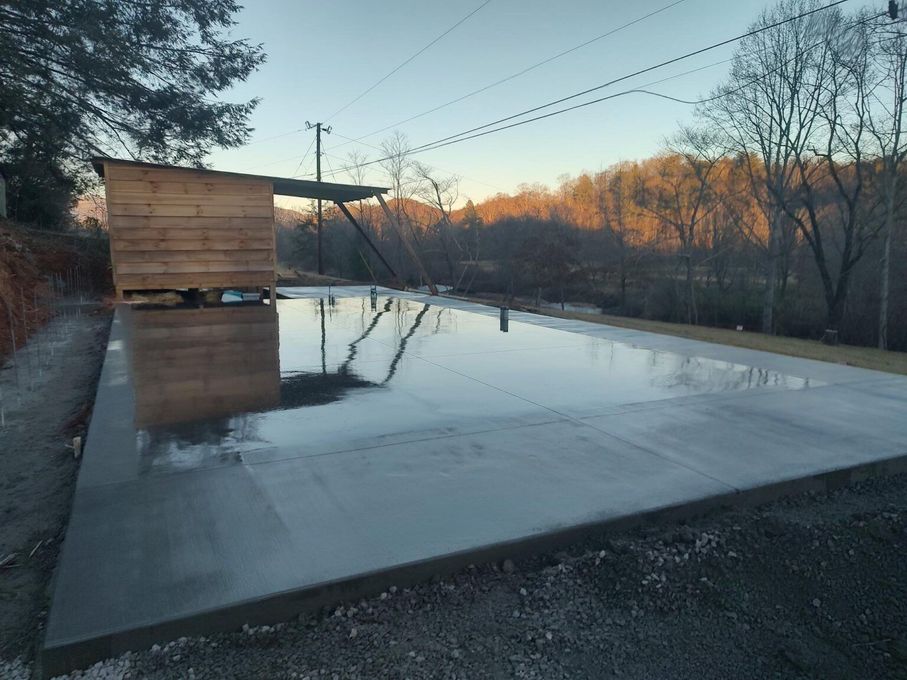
x=129 y=78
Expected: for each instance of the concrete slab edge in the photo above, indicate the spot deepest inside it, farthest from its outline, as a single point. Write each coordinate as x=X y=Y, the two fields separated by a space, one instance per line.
x=286 y=605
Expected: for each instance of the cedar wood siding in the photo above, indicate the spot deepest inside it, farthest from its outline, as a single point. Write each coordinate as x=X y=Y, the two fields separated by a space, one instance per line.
x=176 y=228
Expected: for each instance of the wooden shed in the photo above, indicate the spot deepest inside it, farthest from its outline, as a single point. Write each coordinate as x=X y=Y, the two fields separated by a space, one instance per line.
x=174 y=228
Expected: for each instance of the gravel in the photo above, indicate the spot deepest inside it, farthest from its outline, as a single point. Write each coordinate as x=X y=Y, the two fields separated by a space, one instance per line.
x=809 y=587
x=45 y=404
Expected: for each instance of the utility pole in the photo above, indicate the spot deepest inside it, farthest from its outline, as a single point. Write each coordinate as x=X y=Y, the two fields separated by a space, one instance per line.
x=318 y=129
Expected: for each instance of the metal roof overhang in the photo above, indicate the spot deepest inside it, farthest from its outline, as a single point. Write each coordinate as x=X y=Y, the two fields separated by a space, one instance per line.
x=283 y=186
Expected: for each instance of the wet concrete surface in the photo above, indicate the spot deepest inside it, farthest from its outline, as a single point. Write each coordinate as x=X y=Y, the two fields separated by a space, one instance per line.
x=239 y=460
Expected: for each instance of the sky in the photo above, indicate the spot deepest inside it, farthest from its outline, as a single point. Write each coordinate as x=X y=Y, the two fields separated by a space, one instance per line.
x=323 y=55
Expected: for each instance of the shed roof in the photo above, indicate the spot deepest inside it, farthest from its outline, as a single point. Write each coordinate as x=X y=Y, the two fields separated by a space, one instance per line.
x=283 y=186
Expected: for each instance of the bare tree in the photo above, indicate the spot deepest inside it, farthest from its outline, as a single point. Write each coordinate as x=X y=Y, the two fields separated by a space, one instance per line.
x=398 y=166
x=356 y=164
x=473 y=224
x=768 y=112
x=829 y=204
x=615 y=194
x=886 y=124
x=682 y=195
x=441 y=193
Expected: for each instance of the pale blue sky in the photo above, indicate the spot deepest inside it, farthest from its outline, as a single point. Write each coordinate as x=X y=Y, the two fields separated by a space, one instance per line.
x=323 y=54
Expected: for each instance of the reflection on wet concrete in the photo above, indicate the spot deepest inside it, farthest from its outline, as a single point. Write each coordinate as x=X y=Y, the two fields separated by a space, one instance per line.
x=302 y=388
x=203 y=414
x=401 y=347
x=196 y=373
x=197 y=364
x=220 y=386
x=311 y=389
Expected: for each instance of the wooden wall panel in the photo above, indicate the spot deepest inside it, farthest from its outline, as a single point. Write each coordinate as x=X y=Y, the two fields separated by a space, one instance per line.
x=198 y=280
x=178 y=228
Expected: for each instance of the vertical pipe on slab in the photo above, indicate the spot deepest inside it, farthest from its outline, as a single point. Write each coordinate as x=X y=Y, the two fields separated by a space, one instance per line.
x=505 y=319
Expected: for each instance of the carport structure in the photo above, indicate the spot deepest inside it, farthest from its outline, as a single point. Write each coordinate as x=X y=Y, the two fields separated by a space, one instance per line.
x=173 y=227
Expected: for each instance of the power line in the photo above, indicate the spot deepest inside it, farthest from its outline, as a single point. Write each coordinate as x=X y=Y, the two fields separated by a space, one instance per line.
x=725 y=93
x=447 y=142
x=525 y=70
x=637 y=73
x=327 y=158
x=472 y=133
x=282 y=160
x=305 y=155
x=490 y=85
x=268 y=139
x=381 y=80
x=469 y=134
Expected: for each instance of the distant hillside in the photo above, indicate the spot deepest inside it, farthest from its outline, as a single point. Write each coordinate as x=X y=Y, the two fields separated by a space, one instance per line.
x=287 y=218
x=91 y=206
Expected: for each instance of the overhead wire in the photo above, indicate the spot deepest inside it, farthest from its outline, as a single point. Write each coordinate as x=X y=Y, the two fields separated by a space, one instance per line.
x=622 y=93
x=725 y=93
x=327 y=158
x=283 y=160
x=272 y=137
x=524 y=71
x=662 y=64
x=305 y=155
x=501 y=81
x=474 y=132
x=407 y=61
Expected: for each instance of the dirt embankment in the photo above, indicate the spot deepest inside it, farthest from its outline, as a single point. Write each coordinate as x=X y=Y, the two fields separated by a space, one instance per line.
x=36 y=269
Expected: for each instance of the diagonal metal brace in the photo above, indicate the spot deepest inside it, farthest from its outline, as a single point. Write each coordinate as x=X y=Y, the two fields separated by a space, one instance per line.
x=362 y=232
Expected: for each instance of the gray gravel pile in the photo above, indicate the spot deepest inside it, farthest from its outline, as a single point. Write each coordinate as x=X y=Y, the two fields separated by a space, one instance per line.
x=814 y=587
x=14 y=670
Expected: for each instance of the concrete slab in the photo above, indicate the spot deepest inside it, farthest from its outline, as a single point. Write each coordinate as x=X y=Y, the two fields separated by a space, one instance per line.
x=242 y=465
x=760 y=439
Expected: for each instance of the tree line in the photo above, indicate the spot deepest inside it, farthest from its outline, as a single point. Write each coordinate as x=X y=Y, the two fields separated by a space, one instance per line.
x=779 y=207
